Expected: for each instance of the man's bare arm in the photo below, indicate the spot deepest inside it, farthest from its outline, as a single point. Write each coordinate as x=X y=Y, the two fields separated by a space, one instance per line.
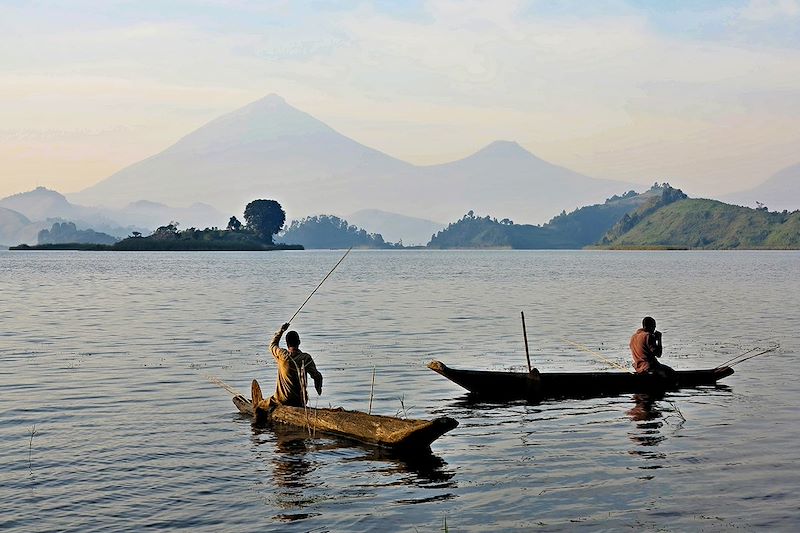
x=276 y=339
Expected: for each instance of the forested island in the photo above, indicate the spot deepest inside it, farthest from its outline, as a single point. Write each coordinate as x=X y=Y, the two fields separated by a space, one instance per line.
x=264 y=219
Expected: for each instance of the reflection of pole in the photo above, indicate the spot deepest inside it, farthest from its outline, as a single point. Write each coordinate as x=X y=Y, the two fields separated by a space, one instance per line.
x=320 y=284
x=525 y=334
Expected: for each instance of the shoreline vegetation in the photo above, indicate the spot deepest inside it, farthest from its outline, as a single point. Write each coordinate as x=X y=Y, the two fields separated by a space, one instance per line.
x=661 y=218
x=150 y=247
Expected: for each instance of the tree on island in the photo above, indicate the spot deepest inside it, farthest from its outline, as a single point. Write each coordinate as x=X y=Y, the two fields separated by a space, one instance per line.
x=170 y=231
x=234 y=224
x=265 y=218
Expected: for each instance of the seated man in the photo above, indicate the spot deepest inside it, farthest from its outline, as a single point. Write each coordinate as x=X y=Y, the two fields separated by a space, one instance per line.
x=646 y=348
x=293 y=365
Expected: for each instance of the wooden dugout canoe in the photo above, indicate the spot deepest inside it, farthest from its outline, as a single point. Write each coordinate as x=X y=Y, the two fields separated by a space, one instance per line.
x=536 y=386
x=397 y=434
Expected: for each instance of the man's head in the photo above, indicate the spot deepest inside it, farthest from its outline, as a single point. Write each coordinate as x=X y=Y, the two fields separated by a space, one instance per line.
x=292 y=339
x=649 y=324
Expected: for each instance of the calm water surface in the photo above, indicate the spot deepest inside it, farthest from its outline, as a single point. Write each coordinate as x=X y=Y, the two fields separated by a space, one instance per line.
x=108 y=421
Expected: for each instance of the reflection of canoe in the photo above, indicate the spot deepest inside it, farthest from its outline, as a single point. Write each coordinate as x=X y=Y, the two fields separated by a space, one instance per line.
x=384 y=431
x=536 y=386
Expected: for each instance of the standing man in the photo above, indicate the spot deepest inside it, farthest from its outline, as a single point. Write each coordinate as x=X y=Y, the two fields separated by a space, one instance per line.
x=293 y=365
x=646 y=348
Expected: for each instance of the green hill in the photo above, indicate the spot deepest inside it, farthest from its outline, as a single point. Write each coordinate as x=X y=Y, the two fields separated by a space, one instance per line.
x=577 y=229
x=587 y=225
x=705 y=224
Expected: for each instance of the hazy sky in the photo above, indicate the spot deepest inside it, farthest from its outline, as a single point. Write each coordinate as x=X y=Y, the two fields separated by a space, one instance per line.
x=703 y=94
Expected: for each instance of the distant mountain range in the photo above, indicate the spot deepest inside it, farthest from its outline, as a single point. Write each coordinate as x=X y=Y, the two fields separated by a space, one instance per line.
x=269 y=149
x=23 y=215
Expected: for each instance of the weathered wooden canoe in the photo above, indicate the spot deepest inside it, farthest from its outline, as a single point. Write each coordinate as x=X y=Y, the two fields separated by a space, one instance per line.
x=398 y=434
x=536 y=386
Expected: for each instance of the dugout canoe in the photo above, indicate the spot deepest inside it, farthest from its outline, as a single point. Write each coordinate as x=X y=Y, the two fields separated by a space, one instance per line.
x=536 y=386
x=397 y=434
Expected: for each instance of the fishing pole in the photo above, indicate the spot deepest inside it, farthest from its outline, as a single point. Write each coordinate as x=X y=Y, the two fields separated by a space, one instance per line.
x=592 y=352
x=320 y=285
x=732 y=359
x=219 y=382
x=769 y=350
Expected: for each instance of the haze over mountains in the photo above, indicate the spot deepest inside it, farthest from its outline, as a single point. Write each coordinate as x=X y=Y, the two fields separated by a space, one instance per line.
x=781 y=191
x=23 y=215
x=394 y=227
x=269 y=149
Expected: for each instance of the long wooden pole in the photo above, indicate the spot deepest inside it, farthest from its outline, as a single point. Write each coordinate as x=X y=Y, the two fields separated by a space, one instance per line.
x=320 y=285
x=525 y=334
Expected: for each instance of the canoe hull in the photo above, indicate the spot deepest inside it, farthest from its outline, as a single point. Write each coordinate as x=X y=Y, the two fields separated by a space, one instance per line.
x=536 y=386
x=397 y=434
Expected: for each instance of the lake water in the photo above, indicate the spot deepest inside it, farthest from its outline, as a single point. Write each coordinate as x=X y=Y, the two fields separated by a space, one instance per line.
x=108 y=421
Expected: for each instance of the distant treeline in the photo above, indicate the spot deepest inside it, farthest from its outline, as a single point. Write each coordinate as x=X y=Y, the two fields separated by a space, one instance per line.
x=328 y=231
x=169 y=238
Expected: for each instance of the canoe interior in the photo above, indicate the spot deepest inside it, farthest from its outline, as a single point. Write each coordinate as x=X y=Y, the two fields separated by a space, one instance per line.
x=397 y=434
x=536 y=386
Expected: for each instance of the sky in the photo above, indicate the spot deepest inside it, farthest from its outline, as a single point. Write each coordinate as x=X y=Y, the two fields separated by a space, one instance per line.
x=703 y=94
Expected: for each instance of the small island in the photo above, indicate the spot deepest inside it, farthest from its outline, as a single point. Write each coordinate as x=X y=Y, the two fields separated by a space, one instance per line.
x=264 y=218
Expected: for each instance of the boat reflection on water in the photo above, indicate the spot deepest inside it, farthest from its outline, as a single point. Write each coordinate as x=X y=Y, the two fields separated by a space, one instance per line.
x=300 y=463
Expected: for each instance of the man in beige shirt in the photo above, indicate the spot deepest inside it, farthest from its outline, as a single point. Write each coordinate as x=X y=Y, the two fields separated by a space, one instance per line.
x=293 y=365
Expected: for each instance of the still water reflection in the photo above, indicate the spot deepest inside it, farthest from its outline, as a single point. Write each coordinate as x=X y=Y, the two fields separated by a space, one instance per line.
x=105 y=356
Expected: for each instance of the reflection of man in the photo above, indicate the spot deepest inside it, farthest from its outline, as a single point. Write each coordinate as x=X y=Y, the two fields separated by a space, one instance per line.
x=644 y=409
x=646 y=348
x=293 y=365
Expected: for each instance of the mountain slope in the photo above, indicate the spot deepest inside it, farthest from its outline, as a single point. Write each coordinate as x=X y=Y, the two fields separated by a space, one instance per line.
x=11 y=224
x=505 y=178
x=269 y=149
x=39 y=204
x=781 y=191
x=266 y=149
